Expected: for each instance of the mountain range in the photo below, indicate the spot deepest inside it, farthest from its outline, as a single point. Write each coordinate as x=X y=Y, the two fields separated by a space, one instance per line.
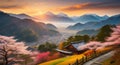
x=62 y=17
x=21 y=16
x=113 y=20
x=50 y=17
x=89 y=18
x=26 y=30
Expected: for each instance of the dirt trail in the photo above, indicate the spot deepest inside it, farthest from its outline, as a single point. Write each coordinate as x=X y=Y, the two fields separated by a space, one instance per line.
x=99 y=59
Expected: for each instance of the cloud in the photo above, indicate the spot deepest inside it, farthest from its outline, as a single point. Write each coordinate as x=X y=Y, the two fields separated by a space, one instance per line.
x=9 y=6
x=92 y=5
x=77 y=7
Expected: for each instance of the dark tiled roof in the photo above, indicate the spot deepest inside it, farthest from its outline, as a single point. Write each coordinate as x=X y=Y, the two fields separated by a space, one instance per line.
x=76 y=44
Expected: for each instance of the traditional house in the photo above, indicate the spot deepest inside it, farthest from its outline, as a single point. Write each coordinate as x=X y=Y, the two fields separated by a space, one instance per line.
x=72 y=48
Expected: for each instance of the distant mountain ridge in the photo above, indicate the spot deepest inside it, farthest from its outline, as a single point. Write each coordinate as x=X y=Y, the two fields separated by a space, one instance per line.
x=62 y=17
x=113 y=20
x=24 y=29
x=87 y=32
x=50 y=17
x=21 y=16
x=89 y=18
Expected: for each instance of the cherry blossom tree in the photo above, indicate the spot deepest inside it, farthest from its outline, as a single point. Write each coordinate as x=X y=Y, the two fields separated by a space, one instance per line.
x=10 y=50
x=114 y=39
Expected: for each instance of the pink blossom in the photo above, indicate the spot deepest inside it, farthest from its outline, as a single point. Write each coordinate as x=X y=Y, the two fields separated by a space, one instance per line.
x=42 y=56
x=114 y=39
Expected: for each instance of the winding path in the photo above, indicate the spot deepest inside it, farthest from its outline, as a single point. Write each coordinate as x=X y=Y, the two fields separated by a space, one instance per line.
x=99 y=59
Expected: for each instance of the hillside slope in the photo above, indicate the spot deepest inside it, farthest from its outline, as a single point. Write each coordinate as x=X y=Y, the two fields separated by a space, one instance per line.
x=25 y=30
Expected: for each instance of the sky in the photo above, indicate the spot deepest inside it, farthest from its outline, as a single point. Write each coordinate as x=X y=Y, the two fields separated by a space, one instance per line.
x=69 y=7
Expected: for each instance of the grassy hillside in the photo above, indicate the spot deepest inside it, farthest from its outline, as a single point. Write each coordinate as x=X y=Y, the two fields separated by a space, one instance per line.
x=64 y=61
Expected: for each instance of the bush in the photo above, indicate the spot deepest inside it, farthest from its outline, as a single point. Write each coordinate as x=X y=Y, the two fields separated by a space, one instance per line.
x=47 y=47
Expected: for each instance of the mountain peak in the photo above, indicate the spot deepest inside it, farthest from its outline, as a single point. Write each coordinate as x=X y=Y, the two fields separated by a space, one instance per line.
x=3 y=13
x=78 y=24
x=23 y=14
x=105 y=16
x=90 y=14
x=49 y=13
x=116 y=15
x=62 y=14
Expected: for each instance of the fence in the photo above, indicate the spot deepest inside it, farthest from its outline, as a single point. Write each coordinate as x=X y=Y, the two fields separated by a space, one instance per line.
x=89 y=57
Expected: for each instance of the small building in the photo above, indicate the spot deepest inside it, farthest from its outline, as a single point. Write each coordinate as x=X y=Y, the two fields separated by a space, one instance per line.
x=72 y=48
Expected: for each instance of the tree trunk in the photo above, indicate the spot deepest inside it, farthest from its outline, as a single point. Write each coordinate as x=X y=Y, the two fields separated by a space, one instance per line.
x=6 y=59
